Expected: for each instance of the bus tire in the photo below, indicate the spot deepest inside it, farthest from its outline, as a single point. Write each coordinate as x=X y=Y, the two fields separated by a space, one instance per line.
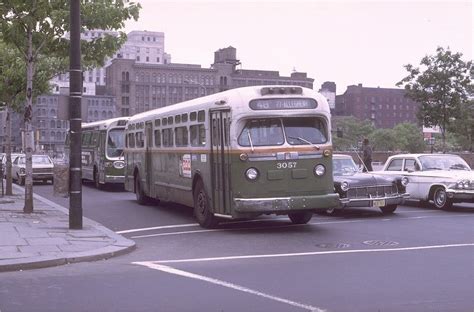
x=300 y=217
x=202 y=211
x=142 y=199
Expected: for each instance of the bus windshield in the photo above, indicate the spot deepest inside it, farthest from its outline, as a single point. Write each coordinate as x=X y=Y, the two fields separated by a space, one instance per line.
x=115 y=143
x=269 y=131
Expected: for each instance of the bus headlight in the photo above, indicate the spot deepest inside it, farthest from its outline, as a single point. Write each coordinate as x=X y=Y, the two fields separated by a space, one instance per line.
x=404 y=181
x=345 y=186
x=319 y=170
x=251 y=174
x=119 y=164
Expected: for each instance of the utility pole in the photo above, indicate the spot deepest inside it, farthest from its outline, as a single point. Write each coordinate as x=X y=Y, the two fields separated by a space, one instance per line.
x=75 y=96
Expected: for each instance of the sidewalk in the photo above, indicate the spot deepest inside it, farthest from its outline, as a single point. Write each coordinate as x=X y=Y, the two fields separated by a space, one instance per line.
x=43 y=238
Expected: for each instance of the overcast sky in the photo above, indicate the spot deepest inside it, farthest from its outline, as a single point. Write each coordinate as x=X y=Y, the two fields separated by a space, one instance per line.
x=348 y=42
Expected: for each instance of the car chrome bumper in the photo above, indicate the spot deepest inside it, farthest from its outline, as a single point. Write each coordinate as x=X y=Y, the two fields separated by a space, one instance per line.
x=374 y=201
x=460 y=195
x=287 y=204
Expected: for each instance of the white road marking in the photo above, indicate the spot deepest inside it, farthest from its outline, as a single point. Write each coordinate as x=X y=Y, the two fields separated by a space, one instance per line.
x=157 y=228
x=170 y=270
x=314 y=253
x=285 y=225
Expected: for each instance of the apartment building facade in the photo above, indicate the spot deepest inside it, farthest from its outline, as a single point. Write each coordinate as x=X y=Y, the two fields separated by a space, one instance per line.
x=385 y=107
x=139 y=87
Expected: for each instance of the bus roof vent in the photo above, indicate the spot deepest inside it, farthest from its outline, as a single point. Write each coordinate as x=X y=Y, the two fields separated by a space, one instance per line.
x=281 y=90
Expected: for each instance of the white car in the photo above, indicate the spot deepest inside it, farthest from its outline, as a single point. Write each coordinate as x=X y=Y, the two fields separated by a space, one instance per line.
x=442 y=178
x=42 y=168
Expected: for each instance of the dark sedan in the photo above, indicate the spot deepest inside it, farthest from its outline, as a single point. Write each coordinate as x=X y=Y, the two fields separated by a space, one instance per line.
x=365 y=189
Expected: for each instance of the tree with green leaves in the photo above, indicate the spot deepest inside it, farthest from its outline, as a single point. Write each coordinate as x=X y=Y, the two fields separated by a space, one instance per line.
x=353 y=130
x=441 y=85
x=463 y=126
x=409 y=137
x=383 y=140
x=38 y=28
x=12 y=91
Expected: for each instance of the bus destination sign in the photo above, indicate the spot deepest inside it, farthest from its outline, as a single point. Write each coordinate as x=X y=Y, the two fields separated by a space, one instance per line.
x=281 y=104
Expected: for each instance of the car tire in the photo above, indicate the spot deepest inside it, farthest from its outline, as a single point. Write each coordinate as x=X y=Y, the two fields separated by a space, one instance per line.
x=142 y=199
x=300 y=217
x=202 y=209
x=440 y=198
x=20 y=180
x=388 y=209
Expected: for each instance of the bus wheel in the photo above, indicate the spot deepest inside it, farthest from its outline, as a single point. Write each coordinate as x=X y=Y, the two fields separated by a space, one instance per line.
x=300 y=217
x=201 y=207
x=139 y=194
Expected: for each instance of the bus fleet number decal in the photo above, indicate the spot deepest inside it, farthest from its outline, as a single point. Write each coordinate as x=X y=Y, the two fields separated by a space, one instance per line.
x=286 y=165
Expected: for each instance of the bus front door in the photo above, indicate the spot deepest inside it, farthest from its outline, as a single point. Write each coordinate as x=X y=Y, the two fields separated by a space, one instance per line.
x=220 y=161
x=148 y=168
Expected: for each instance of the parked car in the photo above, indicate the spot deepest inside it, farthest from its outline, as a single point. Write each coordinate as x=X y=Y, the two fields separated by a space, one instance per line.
x=442 y=178
x=42 y=168
x=4 y=162
x=365 y=189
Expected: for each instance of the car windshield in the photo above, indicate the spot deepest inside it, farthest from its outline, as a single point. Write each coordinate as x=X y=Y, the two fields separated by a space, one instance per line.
x=272 y=131
x=37 y=160
x=344 y=166
x=115 y=142
x=443 y=162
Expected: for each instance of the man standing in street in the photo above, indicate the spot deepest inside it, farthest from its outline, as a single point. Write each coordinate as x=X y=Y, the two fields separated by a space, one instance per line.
x=366 y=156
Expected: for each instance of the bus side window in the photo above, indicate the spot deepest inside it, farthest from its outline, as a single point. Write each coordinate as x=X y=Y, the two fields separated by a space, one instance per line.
x=139 y=139
x=95 y=139
x=157 y=138
x=131 y=140
x=181 y=135
x=201 y=116
x=167 y=137
x=86 y=138
x=198 y=135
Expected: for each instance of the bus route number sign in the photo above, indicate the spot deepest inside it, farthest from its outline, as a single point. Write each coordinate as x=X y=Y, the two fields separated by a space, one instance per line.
x=282 y=104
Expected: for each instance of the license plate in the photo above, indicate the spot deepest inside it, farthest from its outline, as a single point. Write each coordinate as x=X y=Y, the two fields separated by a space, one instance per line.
x=378 y=203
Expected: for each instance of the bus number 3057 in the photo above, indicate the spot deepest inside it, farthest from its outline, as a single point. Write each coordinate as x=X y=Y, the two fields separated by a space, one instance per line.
x=286 y=165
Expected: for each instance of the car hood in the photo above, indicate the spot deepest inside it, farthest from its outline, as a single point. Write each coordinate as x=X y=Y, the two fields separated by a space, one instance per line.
x=364 y=179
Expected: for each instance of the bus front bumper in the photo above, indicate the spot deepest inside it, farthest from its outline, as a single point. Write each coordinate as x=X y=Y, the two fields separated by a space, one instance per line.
x=114 y=179
x=287 y=204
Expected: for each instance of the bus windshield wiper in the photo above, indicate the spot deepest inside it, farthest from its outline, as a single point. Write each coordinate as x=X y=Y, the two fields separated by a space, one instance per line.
x=250 y=140
x=305 y=141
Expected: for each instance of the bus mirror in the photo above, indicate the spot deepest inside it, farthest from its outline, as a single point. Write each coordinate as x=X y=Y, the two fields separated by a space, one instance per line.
x=339 y=133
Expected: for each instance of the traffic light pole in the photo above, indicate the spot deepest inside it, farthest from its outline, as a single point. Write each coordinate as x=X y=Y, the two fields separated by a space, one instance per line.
x=75 y=96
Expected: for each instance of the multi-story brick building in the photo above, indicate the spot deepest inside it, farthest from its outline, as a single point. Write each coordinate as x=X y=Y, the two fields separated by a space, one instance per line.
x=139 y=87
x=51 y=131
x=383 y=106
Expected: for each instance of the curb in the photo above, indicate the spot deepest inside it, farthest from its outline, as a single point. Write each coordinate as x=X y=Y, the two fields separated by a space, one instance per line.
x=120 y=247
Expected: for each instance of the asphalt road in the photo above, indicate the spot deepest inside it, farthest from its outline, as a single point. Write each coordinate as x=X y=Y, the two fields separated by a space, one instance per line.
x=418 y=259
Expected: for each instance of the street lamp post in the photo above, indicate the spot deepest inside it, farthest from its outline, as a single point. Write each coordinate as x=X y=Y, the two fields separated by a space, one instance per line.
x=189 y=81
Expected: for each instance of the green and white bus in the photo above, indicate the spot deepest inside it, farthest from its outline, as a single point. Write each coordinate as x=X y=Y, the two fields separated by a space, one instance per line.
x=103 y=143
x=236 y=154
